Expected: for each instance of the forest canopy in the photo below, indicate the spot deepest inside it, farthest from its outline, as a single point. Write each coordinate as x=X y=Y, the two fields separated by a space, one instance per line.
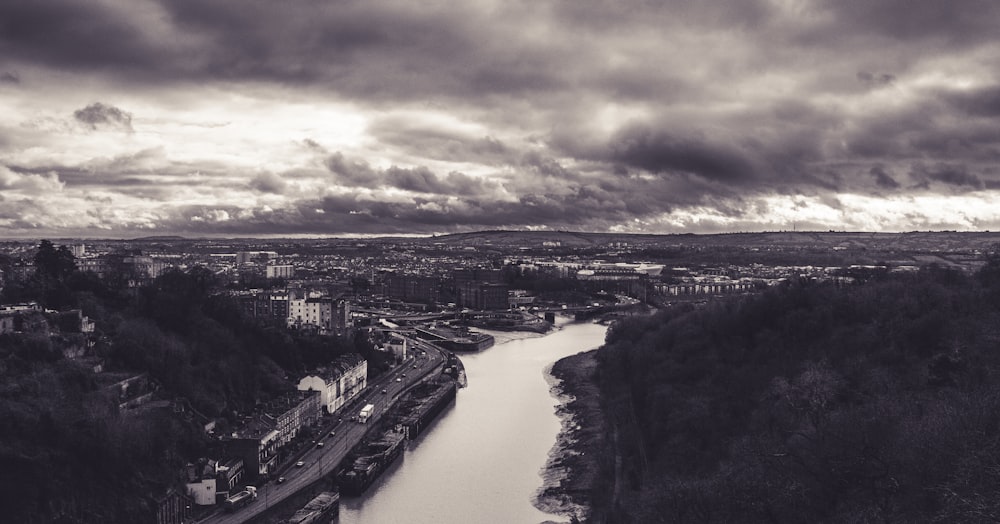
x=812 y=402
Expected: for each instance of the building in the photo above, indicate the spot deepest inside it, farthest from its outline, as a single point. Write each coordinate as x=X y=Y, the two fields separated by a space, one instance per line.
x=483 y=295
x=292 y=412
x=519 y=298
x=338 y=383
x=209 y=481
x=325 y=314
x=280 y=271
x=131 y=269
x=257 y=257
x=278 y=303
x=201 y=482
x=228 y=476
x=315 y=312
x=144 y=267
x=398 y=345
x=23 y=306
x=261 y=440
x=97 y=265
x=256 y=445
x=480 y=288
x=12 y=316
x=462 y=276
x=266 y=305
x=413 y=288
x=74 y=321
x=173 y=507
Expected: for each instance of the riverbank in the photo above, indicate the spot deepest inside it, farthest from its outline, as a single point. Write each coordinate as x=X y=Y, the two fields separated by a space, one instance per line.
x=573 y=471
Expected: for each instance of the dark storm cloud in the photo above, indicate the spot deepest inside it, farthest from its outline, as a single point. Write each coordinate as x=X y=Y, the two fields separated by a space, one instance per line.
x=74 y=35
x=875 y=79
x=380 y=50
x=99 y=115
x=84 y=177
x=956 y=176
x=437 y=143
x=417 y=179
x=660 y=151
x=945 y=125
x=599 y=204
x=370 y=50
x=353 y=173
x=268 y=183
x=576 y=114
x=882 y=178
x=15 y=211
x=463 y=184
x=981 y=102
x=147 y=173
x=119 y=171
x=542 y=164
x=953 y=23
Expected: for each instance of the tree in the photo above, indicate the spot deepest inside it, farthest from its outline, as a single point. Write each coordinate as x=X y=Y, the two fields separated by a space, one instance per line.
x=54 y=263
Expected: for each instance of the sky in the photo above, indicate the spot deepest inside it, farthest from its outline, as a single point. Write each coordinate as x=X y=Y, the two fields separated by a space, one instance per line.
x=127 y=118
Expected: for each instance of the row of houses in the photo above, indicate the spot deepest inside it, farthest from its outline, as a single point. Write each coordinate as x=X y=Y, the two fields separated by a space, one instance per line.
x=262 y=441
x=263 y=437
x=339 y=382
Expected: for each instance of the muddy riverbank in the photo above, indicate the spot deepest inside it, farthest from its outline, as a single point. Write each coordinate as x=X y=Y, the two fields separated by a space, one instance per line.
x=577 y=465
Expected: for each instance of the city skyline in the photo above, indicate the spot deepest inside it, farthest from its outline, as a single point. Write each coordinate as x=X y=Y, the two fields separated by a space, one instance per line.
x=244 y=118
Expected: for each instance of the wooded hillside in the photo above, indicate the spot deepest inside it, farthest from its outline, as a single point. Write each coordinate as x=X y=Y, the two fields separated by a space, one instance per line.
x=863 y=402
x=68 y=453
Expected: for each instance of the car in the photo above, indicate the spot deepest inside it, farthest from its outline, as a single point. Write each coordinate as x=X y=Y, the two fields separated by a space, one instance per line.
x=281 y=479
x=319 y=444
x=299 y=464
x=399 y=380
x=384 y=392
x=415 y=366
x=403 y=375
x=333 y=433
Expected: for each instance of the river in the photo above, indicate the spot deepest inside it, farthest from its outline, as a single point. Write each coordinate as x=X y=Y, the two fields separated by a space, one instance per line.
x=482 y=460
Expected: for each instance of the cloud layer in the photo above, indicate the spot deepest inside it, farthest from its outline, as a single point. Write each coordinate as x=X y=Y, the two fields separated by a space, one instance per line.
x=312 y=117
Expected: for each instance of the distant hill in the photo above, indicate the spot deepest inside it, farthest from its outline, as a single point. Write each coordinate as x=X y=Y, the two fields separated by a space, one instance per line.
x=162 y=238
x=909 y=241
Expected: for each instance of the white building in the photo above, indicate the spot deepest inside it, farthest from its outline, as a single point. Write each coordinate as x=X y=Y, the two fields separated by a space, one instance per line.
x=312 y=311
x=203 y=491
x=323 y=313
x=397 y=344
x=281 y=271
x=338 y=383
x=201 y=482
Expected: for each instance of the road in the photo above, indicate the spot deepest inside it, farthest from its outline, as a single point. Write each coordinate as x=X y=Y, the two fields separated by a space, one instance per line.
x=320 y=461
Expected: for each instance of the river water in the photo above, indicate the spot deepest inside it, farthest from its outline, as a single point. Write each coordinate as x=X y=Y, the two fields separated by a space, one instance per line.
x=482 y=460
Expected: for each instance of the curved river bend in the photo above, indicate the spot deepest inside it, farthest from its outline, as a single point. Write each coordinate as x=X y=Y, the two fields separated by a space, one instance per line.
x=483 y=458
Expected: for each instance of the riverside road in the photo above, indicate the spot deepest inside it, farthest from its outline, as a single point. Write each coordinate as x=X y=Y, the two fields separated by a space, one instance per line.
x=320 y=461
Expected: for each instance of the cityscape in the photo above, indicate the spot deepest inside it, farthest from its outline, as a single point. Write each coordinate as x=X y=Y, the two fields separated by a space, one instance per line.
x=383 y=323
x=546 y=262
